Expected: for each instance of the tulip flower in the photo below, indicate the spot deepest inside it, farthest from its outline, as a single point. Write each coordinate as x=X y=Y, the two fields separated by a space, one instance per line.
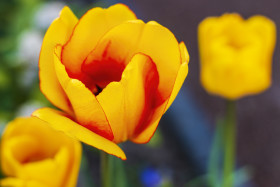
x=35 y=155
x=112 y=75
x=236 y=54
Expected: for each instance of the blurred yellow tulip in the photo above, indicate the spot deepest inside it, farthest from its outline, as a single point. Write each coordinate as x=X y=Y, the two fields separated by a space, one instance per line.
x=35 y=155
x=236 y=54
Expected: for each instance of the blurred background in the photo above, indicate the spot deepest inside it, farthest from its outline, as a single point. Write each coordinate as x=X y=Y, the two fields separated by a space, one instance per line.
x=178 y=153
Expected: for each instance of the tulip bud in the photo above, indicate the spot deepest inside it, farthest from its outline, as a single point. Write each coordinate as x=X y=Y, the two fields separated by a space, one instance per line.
x=236 y=54
x=35 y=155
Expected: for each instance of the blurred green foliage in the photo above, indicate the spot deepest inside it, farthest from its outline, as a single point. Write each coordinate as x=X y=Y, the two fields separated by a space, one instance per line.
x=15 y=17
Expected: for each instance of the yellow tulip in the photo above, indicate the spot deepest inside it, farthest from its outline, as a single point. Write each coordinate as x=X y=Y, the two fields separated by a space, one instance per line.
x=32 y=154
x=112 y=75
x=236 y=54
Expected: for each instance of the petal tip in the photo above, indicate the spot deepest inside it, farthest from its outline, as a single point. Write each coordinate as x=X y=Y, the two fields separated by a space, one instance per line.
x=185 y=57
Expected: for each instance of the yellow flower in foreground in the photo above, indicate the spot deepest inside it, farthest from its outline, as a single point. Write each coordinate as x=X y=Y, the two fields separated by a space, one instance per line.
x=236 y=54
x=32 y=154
x=113 y=76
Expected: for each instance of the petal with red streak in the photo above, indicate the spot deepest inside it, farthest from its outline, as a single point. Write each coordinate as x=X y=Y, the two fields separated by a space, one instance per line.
x=87 y=109
x=90 y=28
x=129 y=104
x=60 y=121
x=125 y=40
x=147 y=133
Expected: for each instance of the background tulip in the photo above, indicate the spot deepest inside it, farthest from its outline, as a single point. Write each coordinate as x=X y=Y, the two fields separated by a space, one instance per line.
x=34 y=155
x=113 y=75
x=236 y=54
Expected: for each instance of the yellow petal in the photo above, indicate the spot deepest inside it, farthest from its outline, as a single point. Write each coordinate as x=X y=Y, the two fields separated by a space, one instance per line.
x=267 y=31
x=50 y=154
x=11 y=182
x=74 y=173
x=148 y=132
x=53 y=168
x=129 y=103
x=58 y=121
x=15 y=152
x=58 y=33
x=91 y=27
x=125 y=40
x=112 y=101
x=87 y=109
x=182 y=74
x=185 y=57
x=16 y=182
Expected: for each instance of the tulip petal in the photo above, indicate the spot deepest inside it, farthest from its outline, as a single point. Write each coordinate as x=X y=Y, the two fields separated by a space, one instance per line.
x=90 y=28
x=14 y=182
x=182 y=74
x=9 y=181
x=141 y=73
x=129 y=103
x=267 y=31
x=12 y=165
x=58 y=33
x=151 y=39
x=88 y=111
x=48 y=167
x=185 y=57
x=112 y=101
x=50 y=154
x=148 y=132
x=60 y=122
x=73 y=175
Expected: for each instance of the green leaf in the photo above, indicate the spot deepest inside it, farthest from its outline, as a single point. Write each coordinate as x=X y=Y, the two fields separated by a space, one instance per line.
x=215 y=155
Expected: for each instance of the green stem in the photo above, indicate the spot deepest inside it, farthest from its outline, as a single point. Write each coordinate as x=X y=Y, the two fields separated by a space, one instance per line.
x=217 y=146
x=229 y=144
x=105 y=174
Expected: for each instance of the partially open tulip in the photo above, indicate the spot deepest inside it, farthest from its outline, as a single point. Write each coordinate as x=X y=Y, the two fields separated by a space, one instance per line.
x=113 y=76
x=32 y=154
x=236 y=54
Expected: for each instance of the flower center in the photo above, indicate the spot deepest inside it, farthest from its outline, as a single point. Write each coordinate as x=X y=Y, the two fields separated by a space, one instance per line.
x=100 y=73
x=235 y=44
x=99 y=69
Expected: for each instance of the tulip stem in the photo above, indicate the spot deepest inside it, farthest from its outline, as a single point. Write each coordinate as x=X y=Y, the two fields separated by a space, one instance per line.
x=105 y=174
x=229 y=144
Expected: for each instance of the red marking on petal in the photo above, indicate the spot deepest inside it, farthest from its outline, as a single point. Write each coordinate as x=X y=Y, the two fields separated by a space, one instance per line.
x=152 y=97
x=98 y=70
x=105 y=52
x=101 y=132
x=84 y=78
x=104 y=71
x=101 y=68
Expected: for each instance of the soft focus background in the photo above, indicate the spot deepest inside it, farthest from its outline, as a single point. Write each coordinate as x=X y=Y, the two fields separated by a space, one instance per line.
x=179 y=151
